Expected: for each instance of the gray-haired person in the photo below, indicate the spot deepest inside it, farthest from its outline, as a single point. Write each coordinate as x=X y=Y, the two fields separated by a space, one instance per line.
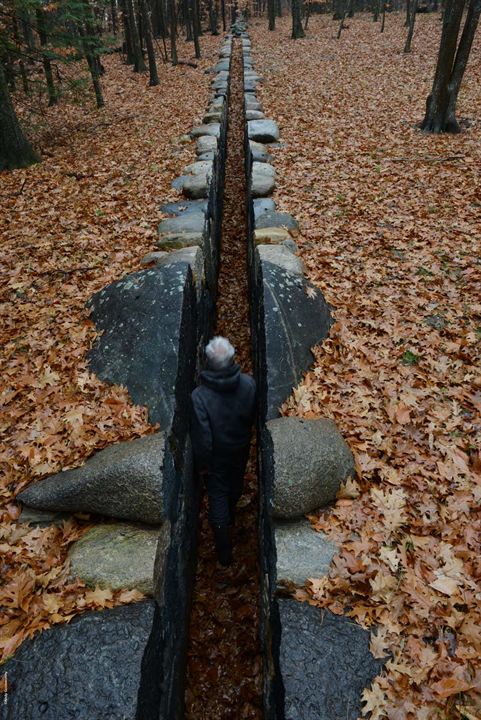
x=223 y=412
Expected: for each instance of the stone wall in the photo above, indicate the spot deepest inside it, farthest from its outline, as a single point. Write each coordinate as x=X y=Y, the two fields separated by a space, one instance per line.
x=154 y=324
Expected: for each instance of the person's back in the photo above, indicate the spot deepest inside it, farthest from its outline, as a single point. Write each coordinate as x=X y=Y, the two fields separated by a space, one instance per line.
x=223 y=412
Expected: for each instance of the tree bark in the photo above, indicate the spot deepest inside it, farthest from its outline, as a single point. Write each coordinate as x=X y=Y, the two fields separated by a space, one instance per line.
x=148 y=34
x=139 y=62
x=440 y=104
x=297 y=29
x=15 y=150
x=271 y=14
x=89 y=42
x=383 y=21
x=412 y=20
x=47 y=65
x=173 y=32
x=113 y=16
x=193 y=9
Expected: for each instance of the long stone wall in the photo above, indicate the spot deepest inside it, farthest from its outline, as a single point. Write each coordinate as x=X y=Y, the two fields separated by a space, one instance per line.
x=129 y=662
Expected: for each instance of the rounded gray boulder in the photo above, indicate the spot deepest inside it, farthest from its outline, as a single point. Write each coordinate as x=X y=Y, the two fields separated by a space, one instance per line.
x=310 y=461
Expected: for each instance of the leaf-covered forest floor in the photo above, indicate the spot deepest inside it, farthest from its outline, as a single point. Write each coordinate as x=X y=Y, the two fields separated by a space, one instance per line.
x=391 y=232
x=79 y=220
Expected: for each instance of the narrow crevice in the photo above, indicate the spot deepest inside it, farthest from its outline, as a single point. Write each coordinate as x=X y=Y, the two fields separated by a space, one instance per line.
x=224 y=675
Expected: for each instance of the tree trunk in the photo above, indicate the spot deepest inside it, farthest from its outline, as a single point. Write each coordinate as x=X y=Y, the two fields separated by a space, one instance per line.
x=113 y=15
x=436 y=119
x=173 y=32
x=15 y=150
x=412 y=20
x=89 y=42
x=297 y=29
x=271 y=14
x=148 y=34
x=222 y=8
x=383 y=22
x=47 y=66
x=213 y=17
x=139 y=62
x=308 y=15
x=408 y=13
x=193 y=9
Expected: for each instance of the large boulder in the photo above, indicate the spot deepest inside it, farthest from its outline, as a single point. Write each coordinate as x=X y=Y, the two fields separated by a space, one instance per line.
x=117 y=555
x=123 y=481
x=184 y=230
x=89 y=668
x=325 y=663
x=206 y=143
x=212 y=129
x=281 y=256
x=302 y=553
x=291 y=317
x=197 y=186
x=147 y=322
x=263 y=130
x=254 y=115
x=269 y=219
x=271 y=235
x=263 y=179
x=309 y=460
x=259 y=152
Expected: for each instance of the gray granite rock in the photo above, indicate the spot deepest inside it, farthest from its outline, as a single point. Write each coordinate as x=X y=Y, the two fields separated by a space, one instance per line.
x=123 y=481
x=259 y=152
x=153 y=257
x=263 y=130
x=310 y=461
x=212 y=129
x=292 y=316
x=206 y=156
x=184 y=230
x=116 y=555
x=325 y=663
x=263 y=179
x=213 y=116
x=200 y=167
x=88 y=669
x=185 y=206
x=262 y=205
x=302 y=552
x=222 y=65
x=251 y=102
x=197 y=186
x=271 y=235
x=178 y=182
x=42 y=518
x=280 y=256
x=206 y=143
x=147 y=326
x=254 y=115
x=273 y=218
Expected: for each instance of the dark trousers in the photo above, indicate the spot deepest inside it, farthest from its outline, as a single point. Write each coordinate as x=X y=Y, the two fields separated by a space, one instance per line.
x=225 y=483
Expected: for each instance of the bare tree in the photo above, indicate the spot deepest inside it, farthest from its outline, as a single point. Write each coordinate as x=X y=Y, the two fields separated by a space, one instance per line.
x=15 y=150
x=412 y=20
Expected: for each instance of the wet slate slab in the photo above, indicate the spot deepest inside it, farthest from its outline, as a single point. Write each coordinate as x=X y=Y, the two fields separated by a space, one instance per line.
x=89 y=668
x=148 y=320
x=292 y=322
x=325 y=663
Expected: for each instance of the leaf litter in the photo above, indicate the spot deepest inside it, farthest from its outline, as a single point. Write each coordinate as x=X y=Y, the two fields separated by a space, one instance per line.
x=391 y=233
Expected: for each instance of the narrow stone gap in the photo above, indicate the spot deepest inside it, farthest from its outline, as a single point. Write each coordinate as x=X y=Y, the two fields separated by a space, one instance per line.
x=224 y=677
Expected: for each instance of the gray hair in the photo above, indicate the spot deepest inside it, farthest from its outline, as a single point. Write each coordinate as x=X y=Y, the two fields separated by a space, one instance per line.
x=220 y=353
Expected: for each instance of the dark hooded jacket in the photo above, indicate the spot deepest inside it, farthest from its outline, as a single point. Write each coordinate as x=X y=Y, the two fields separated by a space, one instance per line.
x=223 y=412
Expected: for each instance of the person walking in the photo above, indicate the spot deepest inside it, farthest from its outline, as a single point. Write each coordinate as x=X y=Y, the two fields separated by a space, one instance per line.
x=223 y=411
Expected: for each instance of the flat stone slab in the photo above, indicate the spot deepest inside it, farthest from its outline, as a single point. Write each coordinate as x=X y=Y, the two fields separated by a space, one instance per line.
x=271 y=235
x=189 y=222
x=263 y=180
x=302 y=552
x=212 y=129
x=192 y=255
x=325 y=663
x=272 y=218
x=89 y=668
x=307 y=461
x=293 y=322
x=116 y=555
x=144 y=345
x=263 y=130
x=122 y=481
x=254 y=115
x=185 y=206
x=281 y=256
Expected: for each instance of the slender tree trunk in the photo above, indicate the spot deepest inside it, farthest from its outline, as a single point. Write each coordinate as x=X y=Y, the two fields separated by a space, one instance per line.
x=149 y=42
x=193 y=8
x=297 y=29
x=222 y=8
x=308 y=14
x=383 y=22
x=213 y=17
x=129 y=52
x=462 y=56
x=113 y=15
x=15 y=150
x=271 y=14
x=437 y=103
x=173 y=32
x=412 y=20
x=47 y=65
x=375 y=15
x=278 y=8
x=139 y=62
x=408 y=13
x=89 y=42
x=344 y=14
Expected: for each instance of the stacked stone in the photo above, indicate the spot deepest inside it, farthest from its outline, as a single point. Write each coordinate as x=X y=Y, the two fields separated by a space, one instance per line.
x=314 y=667
x=130 y=661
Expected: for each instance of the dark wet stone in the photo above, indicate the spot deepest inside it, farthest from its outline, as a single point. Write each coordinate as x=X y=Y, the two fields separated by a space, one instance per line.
x=273 y=218
x=302 y=552
x=292 y=322
x=325 y=663
x=42 y=518
x=123 y=481
x=148 y=321
x=309 y=460
x=87 y=669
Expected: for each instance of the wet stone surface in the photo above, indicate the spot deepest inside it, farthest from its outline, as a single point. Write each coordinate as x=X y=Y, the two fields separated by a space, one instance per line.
x=325 y=663
x=89 y=668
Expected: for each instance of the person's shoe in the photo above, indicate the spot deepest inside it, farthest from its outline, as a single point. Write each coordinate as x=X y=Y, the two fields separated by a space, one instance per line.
x=223 y=545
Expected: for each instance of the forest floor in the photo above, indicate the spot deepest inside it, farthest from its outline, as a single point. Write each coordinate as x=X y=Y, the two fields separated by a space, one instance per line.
x=391 y=233
x=70 y=225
